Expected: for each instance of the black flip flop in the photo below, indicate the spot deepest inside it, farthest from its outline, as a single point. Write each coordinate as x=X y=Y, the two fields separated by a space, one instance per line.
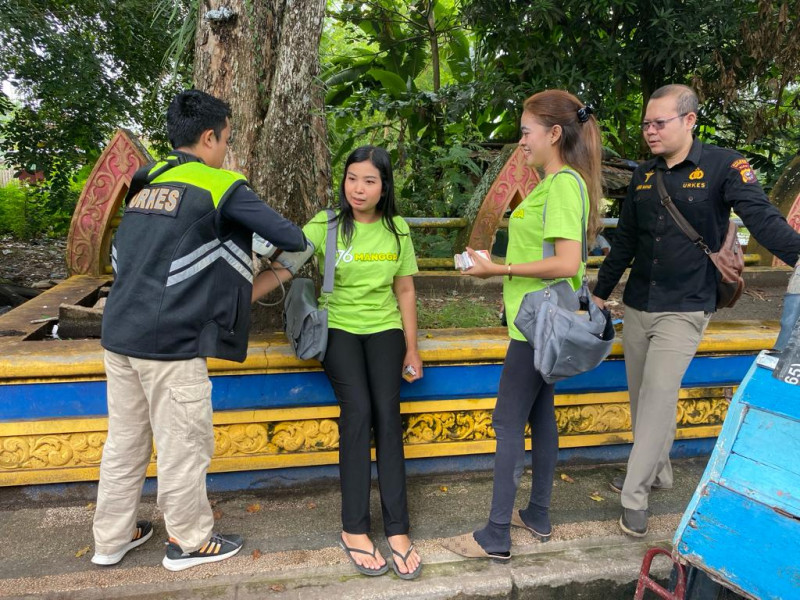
x=404 y=557
x=360 y=568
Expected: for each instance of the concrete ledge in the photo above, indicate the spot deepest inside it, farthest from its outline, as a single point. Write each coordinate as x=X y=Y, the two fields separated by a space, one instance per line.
x=587 y=568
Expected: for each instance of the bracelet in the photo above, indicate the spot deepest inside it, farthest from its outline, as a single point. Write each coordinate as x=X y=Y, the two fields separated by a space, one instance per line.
x=510 y=276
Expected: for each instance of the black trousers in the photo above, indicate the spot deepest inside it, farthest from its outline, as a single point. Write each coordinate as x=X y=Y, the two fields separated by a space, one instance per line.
x=523 y=396
x=365 y=372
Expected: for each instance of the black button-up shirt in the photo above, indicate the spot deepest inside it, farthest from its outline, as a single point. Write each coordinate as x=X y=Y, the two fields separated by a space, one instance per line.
x=669 y=273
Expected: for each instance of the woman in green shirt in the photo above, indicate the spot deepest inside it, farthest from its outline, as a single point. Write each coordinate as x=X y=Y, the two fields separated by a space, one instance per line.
x=372 y=340
x=559 y=133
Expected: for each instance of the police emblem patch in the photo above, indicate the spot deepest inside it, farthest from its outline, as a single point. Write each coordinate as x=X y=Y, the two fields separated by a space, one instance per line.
x=745 y=170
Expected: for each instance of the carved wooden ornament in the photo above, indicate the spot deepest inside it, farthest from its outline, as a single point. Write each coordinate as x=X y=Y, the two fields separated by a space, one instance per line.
x=89 y=238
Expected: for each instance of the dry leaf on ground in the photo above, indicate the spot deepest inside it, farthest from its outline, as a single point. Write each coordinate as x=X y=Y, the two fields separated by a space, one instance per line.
x=253 y=508
x=82 y=551
x=567 y=478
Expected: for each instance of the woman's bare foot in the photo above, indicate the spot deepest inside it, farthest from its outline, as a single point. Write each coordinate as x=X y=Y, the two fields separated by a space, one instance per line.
x=401 y=544
x=361 y=541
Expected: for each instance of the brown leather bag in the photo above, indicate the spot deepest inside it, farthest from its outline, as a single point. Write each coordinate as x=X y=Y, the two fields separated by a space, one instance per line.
x=729 y=260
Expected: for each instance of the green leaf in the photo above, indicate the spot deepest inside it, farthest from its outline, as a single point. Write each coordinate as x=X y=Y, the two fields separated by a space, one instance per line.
x=390 y=81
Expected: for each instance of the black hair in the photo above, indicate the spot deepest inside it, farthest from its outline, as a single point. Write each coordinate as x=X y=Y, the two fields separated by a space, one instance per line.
x=386 y=205
x=192 y=112
x=685 y=97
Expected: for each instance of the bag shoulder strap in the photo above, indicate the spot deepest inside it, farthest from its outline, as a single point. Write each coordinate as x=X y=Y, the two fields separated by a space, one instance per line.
x=330 y=251
x=548 y=248
x=680 y=220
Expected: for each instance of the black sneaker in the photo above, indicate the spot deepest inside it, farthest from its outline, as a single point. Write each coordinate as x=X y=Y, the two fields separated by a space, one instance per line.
x=219 y=547
x=144 y=530
x=633 y=522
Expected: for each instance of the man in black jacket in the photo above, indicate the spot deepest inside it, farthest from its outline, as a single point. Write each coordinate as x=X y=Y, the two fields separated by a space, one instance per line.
x=181 y=293
x=671 y=289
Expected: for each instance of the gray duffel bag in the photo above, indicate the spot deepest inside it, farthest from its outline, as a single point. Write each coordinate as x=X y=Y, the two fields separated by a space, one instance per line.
x=569 y=333
x=304 y=322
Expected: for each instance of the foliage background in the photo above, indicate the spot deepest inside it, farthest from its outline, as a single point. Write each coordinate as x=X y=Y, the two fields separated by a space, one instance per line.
x=439 y=83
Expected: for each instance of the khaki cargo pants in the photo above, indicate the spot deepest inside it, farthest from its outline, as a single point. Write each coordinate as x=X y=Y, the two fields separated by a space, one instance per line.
x=169 y=402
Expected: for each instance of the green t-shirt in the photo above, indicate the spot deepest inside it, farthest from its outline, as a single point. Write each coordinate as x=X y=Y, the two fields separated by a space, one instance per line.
x=525 y=235
x=363 y=299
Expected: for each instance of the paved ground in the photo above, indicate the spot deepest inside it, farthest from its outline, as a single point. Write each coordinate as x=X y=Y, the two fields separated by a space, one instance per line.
x=291 y=551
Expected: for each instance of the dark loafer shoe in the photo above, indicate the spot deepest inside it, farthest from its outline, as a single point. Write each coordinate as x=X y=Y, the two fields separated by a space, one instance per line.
x=633 y=522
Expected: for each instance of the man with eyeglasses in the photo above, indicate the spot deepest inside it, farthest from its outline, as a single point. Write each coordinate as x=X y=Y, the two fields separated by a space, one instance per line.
x=671 y=289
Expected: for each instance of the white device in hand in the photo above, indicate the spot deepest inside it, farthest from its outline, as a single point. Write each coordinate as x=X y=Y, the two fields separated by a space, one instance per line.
x=262 y=247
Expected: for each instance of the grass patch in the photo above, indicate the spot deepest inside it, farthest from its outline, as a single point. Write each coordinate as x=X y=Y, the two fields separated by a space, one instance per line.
x=457 y=311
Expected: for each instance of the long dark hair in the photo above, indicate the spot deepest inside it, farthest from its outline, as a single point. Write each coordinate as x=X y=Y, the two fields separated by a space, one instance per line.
x=579 y=145
x=386 y=205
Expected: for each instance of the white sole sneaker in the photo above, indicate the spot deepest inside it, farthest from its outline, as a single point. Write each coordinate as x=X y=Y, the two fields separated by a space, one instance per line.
x=186 y=560
x=112 y=559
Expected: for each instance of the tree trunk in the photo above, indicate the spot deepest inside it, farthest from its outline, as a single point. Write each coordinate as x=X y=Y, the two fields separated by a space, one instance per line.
x=263 y=59
x=434 y=39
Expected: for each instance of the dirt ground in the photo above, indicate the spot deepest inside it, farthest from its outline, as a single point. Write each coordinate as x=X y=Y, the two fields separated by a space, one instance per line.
x=27 y=263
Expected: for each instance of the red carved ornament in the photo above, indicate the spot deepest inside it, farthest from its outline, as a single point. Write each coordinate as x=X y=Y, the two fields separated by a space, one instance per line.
x=515 y=181
x=90 y=229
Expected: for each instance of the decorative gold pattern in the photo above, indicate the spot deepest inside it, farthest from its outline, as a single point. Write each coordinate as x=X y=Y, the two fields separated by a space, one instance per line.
x=243 y=440
x=702 y=411
x=51 y=451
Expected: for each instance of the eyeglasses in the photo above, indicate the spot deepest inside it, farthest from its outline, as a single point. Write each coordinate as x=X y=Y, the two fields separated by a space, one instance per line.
x=659 y=124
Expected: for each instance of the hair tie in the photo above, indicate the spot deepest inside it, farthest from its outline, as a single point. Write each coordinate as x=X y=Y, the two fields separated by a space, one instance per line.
x=584 y=113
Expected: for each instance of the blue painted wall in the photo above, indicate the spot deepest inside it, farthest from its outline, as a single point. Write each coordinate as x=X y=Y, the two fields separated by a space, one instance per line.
x=284 y=390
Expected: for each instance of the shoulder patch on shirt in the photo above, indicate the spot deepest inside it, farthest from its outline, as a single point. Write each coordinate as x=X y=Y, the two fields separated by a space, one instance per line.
x=159 y=199
x=745 y=170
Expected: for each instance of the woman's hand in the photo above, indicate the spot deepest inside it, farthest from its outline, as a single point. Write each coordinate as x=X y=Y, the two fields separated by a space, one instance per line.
x=599 y=301
x=412 y=360
x=482 y=268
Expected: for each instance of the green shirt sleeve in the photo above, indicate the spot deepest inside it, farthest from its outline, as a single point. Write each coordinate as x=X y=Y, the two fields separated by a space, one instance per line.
x=564 y=212
x=315 y=231
x=407 y=258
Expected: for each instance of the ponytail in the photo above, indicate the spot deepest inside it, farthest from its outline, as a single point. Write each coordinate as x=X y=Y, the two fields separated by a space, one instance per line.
x=579 y=145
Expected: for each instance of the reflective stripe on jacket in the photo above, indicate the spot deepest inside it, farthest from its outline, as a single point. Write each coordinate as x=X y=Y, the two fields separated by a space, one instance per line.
x=181 y=289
